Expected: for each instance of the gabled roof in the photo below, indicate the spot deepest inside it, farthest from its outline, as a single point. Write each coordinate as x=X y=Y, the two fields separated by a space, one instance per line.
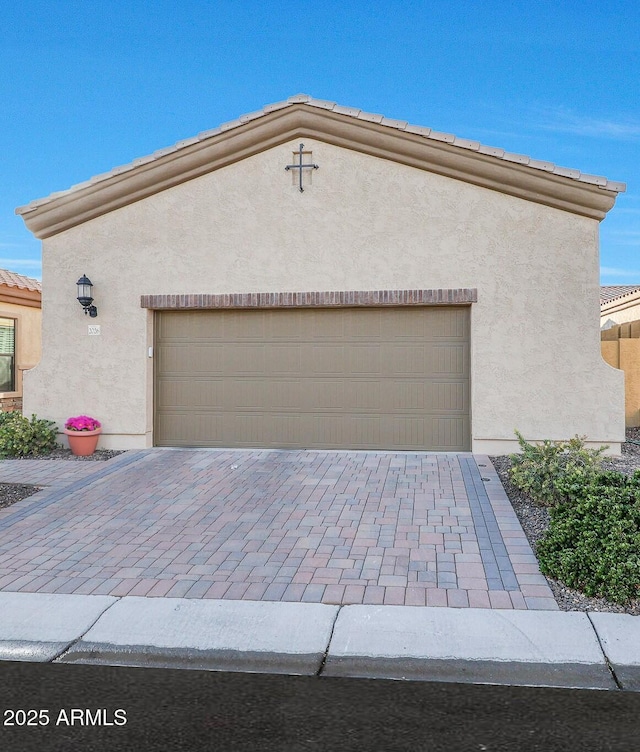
x=610 y=293
x=303 y=116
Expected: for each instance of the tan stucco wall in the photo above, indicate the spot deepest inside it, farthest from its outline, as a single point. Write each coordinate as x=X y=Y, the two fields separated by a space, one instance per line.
x=28 y=339
x=364 y=223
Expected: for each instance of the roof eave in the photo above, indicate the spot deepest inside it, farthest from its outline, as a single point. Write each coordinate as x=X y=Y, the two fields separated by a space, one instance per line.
x=226 y=146
x=20 y=296
x=620 y=303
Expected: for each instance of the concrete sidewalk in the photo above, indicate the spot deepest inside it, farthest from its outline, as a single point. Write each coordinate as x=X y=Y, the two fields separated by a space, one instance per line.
x=535 y=648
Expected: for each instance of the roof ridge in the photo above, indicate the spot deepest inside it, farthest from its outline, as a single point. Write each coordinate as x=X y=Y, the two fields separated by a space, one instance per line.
x=353 y=112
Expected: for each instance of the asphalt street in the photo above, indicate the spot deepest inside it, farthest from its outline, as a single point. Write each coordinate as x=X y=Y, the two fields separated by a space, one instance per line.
x=95 y=708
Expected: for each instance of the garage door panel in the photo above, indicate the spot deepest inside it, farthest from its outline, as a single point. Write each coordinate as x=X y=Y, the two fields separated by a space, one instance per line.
x=366 y=431
x=324 y=358
x=407 y=432
x=190 y=428
x=400 y=324
x=285 y=394
x=281 y=359
x=449 y=323
x=448 y=359
x=365 y=395
x=196 y=393
x=447 y=397
x=405 y=360
x=324 y=394
x=284 y=430
x=406 y=395
x=325 y=325
x=245 y=394
x=183 y=358
x=448 y=433
x=325 y=430
x=245 y=429
x=346 y=378
x=245 y=360
x=287 y=328
x=245 y=326
x=363 y=324
x=364 y=359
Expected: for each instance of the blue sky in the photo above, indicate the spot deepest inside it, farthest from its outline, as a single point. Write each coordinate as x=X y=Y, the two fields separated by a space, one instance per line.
x=88 y=85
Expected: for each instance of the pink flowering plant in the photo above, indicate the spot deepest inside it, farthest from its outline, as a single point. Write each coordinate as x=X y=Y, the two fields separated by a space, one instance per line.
x=82 y=423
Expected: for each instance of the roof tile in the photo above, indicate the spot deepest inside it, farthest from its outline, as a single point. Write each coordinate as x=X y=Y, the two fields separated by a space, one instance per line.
x=540 y=165
x=324 y=104
x=595 y=179
x=465 y=143
x=371 y=117
x=230 y=124
x=251 y=116
x=276 y=106
x=449 y=138
x=567 y=172
x=163 y=152
x=179 y=145
x=11 y=279
x=203 y=135
x=419 y=130
x=517 y=158
x=148 y=158
x=609 y=293
x=351 y=111
x=492 y=151
x=399 y=124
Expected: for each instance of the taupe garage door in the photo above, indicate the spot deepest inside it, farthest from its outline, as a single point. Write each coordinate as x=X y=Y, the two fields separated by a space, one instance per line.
x=370 y=378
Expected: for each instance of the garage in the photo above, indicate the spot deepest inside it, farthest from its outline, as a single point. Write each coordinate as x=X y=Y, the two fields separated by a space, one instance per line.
x=339 y=378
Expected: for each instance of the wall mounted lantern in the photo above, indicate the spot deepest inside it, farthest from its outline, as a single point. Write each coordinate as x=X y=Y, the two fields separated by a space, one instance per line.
x=84 y=296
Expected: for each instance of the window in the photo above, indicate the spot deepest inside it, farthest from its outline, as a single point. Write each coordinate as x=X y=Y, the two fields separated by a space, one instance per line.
x=7 y=355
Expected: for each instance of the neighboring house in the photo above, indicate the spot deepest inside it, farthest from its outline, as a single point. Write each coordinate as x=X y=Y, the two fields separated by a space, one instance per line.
x=620 y=344
x=20 y=334
x=619 y=304
x=403 y=294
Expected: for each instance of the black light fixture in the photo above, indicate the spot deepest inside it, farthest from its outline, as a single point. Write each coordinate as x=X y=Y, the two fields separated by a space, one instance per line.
x=84 y=296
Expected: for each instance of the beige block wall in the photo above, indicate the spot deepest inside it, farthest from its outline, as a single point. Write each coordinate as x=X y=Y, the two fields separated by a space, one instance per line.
x=364 y=223
x=624 y=353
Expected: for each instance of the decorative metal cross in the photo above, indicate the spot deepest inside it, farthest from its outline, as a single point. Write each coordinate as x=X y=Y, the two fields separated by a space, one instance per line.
x=301 y=167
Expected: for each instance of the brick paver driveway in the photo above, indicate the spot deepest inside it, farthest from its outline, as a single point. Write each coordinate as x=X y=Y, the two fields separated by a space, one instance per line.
x=323 y=526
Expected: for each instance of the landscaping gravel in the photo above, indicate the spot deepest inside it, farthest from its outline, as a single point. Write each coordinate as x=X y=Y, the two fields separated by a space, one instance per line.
x=535 y=520
x=10 y=493
x=61 y=453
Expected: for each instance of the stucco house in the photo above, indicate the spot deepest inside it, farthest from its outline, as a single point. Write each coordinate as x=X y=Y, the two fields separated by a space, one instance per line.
x=619 y=304
x=20 y=334
x=620 y=341
x=311 y=275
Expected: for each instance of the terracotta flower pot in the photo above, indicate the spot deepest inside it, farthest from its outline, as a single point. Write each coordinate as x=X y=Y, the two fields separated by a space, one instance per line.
x=83 y=443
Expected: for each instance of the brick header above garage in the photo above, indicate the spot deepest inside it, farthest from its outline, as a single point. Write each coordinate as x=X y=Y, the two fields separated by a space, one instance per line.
x=332 y=299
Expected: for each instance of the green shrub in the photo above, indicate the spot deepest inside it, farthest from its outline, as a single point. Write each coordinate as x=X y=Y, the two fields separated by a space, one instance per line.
x=593 y=540
x=21 y=437
x=540 y=467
